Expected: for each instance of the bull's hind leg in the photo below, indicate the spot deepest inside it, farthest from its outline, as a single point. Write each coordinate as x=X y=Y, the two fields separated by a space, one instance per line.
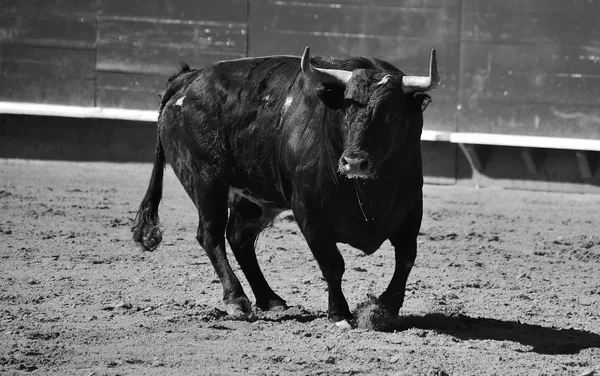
x=210 y=199
x=243 y=228
x=405 y=250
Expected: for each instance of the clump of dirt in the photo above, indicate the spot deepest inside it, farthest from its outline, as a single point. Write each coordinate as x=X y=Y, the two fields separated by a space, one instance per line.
x=371 y=315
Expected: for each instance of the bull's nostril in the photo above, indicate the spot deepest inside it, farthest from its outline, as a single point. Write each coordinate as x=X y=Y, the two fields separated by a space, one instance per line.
x=355 y=165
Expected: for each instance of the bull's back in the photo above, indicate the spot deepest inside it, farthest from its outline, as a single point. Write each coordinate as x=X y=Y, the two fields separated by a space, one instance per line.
x=228 y=116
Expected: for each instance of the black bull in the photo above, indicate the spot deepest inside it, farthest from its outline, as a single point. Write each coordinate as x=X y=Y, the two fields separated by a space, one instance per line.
x=335 y=140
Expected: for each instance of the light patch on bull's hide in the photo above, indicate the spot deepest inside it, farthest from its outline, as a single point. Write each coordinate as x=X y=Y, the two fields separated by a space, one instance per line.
x=235 y=192
x=384 y=80
x=180 y=101
x=269 y=211
x=288 y=102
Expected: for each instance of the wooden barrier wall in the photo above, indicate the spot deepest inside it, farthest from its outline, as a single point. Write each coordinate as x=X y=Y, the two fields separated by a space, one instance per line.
x=527 y=67
x=111 y=53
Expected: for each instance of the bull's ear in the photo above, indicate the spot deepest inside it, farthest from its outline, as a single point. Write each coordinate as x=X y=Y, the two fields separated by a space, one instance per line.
x=331 y=95
x=422 y=100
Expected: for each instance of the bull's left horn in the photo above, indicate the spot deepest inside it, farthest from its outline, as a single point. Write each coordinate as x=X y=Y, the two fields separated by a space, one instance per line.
x=412 y=84
x=324 y=76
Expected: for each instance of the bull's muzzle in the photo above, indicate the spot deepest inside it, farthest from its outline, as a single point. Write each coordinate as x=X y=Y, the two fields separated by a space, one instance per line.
x=356 y=164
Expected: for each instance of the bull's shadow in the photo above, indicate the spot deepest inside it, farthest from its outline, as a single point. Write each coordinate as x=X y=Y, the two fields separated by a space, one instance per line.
x=543 y=340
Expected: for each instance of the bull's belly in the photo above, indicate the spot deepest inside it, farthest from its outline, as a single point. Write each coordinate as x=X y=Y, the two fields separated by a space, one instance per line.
x=364 y=237
x=368 y=231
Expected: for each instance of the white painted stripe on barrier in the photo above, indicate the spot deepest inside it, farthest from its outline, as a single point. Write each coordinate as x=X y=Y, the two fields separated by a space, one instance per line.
x=524 y=141
x=20 y=108
x=428 y=135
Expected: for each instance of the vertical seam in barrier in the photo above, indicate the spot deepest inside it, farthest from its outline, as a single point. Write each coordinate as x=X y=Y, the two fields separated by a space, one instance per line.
x=457 y=150
x=247 y=28
x=96 y=61
x=460 y=67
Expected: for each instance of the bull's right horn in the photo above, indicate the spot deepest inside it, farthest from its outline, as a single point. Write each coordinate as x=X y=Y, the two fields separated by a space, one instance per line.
x=412 y=84
x=324 y=76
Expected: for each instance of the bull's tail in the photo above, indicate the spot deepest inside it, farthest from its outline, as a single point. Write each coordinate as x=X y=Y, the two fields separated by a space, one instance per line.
x=146 y=231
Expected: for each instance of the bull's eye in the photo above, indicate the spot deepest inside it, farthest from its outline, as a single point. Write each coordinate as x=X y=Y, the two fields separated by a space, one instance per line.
x=332 y=96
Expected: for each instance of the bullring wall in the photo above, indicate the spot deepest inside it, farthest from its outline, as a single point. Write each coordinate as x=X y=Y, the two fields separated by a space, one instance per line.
x=518 y=67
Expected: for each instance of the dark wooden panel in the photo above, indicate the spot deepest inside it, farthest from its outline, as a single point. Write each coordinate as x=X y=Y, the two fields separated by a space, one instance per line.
x=68 y=91
x=522 y=58
x=172 y=34
x=530 y=6
x=551 y=120
x=131 y=81
x=402 y=35
x=439 y=22
x=213 y=10
x=411 y=56
x=127 y=90
x=47 y=61
x=531 y=74
x=440 y=115
x=400 y=32
x=130 y=99
x=571 y=28
x=52 y=9
x=159 y=61
x=534 y=87
x=439 y=162
x=44 y=137
x=48 y=32
x=514 y=25
x=493 y=27
x=369 y=3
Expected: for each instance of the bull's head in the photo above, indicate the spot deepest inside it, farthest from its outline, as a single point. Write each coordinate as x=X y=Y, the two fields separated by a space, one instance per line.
x=381 y=111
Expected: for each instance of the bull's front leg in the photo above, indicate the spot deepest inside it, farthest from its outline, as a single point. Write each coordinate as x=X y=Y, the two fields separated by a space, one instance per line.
x=404 y=241
x=332 y=266
x=331 y=263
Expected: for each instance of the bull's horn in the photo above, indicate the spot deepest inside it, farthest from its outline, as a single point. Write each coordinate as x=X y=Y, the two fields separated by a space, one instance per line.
x=325 y=76
x=412 y=84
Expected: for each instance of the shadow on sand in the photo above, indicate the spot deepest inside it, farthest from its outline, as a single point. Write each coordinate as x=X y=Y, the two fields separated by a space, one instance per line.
x=543 y=340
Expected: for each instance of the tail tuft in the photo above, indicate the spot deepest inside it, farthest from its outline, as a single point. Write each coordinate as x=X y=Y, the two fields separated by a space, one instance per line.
x=146 y=231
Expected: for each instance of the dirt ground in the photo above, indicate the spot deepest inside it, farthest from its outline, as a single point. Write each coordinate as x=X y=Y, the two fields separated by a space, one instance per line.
x=505 y=283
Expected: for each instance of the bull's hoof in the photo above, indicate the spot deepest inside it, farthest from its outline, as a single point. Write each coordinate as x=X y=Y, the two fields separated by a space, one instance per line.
x=344 y=324
x=238 y=307
x=275 y=305
x=340 y=317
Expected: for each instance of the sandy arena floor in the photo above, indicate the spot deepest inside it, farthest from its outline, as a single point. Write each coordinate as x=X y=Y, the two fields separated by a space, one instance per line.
x=505 y=283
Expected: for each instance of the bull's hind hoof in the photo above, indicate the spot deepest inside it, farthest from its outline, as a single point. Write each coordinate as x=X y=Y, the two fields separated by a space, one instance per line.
x=276 y=305
x=238 y=306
